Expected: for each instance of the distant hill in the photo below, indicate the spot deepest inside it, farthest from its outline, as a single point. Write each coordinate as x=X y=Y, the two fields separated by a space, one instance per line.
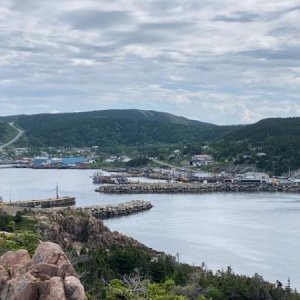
x=110 y=128
x=267 y=128
x=271 y=144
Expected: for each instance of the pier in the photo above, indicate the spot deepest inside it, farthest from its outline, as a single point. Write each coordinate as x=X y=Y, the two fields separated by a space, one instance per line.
x=46 y=203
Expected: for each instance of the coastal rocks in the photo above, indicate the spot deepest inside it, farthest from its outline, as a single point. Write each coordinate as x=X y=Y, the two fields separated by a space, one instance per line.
x=121 y=209
x=73 y=288
x=49 y=275
x=78 y=229
x=160 y=188
x=11 y=258
x=24 y=287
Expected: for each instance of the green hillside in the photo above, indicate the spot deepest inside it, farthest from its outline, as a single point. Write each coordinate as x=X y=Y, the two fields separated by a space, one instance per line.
x=270 y=144
x=6 y=132
x=111 y=128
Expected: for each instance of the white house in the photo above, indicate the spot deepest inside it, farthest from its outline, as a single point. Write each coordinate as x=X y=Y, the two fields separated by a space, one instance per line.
x=202 y=160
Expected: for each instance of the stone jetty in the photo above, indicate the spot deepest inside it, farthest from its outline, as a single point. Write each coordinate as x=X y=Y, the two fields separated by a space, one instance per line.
x=169 y=188
x=45 y=203
x=117 y=210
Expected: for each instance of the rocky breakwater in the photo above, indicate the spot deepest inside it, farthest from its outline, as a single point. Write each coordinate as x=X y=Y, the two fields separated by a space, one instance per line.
x=118 y=210
x=178 y=187
x=49 y=275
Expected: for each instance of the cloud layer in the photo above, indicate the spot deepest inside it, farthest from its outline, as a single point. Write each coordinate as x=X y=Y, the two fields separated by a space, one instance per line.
x=218 y=61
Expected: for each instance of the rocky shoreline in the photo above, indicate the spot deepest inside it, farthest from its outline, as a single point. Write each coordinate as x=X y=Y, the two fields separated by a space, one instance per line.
x=117 y=210
x=171 y=188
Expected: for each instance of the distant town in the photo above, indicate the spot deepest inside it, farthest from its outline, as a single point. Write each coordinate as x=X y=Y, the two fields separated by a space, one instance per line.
x=186 y=169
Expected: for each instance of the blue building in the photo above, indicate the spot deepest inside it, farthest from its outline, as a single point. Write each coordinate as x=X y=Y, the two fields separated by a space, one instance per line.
x=74 y=161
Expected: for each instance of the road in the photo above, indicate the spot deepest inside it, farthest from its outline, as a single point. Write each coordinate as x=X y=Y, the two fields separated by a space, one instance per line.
x=20 y=133
x=172 y=166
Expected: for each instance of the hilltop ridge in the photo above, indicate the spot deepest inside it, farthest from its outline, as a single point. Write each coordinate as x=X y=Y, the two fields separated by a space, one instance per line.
x=112 y=128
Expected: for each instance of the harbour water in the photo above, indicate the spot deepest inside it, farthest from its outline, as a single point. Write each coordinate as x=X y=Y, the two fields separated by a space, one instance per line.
x=252 y=233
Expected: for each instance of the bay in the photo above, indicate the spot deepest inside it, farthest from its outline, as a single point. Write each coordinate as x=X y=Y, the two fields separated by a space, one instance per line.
x=252 y=233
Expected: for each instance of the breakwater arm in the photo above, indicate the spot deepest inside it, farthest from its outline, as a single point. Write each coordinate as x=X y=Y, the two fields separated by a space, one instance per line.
x=169 y=188
x=117 y=210
x=45 y=203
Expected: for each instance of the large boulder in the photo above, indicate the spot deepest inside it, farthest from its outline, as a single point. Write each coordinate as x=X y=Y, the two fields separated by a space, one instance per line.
x=74 y=288
x=49 y=253
x=23 y=287
x=49 y=275
x=56 y=289
x=19 y=257
x=4 y=277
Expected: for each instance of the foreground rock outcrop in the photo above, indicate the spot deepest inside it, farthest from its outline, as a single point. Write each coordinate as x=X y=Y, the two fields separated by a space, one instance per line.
x=49 y=275
x=77 y=229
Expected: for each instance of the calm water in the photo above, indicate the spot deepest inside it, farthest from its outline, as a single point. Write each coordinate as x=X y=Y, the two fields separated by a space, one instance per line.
x=250 y=232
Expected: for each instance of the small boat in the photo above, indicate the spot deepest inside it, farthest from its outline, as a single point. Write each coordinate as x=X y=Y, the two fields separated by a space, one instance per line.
x=100 y=178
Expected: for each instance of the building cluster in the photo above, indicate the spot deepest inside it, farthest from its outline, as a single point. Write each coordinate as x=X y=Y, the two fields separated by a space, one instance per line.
x=60 y=162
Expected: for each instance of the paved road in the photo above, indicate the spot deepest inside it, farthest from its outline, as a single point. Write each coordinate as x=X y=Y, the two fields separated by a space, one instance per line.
x=20 y=133
x=172 y=166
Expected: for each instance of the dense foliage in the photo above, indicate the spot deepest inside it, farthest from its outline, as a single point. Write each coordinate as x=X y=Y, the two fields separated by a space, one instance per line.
x=17 y=232
x=140 y=161
x=271 y=144
x=113 y=128
x=6 y=132
x=131 y=273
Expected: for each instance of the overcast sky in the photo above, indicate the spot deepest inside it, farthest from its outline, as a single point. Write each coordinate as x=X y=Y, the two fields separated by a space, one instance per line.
x=220 y=61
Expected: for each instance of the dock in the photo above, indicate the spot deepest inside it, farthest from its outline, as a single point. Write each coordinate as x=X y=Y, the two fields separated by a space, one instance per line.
x=45 y=203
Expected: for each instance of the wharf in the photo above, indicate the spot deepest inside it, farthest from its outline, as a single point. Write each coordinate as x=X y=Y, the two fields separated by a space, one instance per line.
x=45 y=203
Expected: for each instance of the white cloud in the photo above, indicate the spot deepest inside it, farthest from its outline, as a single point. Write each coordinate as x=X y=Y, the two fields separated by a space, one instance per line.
x=220 y=61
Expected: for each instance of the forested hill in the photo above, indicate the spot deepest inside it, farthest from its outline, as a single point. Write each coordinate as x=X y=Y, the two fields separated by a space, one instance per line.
x=271 y=144
x=268 y=128
x=109 y=128
x=6 y=132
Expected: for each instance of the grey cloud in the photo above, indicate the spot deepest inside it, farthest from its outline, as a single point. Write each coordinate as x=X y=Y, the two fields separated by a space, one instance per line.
x=175 y=25
x=285 y=31
x=97 y=19
x=27 y=5
x=237 y=17
x=291 y=9
x=292 y=54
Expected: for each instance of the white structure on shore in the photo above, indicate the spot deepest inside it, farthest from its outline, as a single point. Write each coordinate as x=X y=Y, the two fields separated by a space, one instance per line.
x=202 y=160
x=255 y=176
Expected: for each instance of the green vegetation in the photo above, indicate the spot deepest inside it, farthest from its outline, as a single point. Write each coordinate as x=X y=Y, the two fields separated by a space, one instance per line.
x=131 y=273
x=6 y=132
x=18 y=233
x=271 y=145
x=135 y=274
x=114 y=128
x=138 y=162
